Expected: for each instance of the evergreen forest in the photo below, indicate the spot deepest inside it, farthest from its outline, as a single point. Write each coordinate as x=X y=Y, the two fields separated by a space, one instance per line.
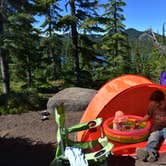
x=78 y=43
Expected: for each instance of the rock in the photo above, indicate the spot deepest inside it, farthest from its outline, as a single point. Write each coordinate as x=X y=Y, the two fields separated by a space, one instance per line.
x=4 y=133
x=74 y=99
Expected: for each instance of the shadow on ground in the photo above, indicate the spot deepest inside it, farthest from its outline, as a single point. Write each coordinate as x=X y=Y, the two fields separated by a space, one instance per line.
x=121 y=161
x=23 y=152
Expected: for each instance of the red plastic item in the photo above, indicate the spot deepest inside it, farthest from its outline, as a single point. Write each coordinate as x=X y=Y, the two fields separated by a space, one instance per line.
x=129 y=93
x=131 y=136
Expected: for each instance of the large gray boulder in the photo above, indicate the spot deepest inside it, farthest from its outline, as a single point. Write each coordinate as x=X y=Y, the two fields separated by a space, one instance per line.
x=74 y=99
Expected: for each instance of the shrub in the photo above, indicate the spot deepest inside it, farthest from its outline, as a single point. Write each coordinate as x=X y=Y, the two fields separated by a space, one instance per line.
x=21 y=102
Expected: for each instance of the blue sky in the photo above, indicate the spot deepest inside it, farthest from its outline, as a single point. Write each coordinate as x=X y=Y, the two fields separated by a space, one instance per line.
x=143 y=14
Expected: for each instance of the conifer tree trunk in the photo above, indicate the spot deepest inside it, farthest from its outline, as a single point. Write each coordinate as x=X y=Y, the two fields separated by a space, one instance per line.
x=74 y=35
x=51 y=51
x=4 y=63
x=115 y=31
x=29 y=72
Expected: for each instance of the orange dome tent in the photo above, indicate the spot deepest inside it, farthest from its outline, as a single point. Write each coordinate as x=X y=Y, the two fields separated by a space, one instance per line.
x=129 y=93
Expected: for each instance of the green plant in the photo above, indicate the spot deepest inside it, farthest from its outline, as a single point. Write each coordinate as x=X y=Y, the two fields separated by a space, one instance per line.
x=21 y=102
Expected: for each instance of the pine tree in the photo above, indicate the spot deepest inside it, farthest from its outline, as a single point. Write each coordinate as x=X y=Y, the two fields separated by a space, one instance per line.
x=76 y=21
x=19 y=37
x=115 y=40
x=51 y=42
x=3 y=57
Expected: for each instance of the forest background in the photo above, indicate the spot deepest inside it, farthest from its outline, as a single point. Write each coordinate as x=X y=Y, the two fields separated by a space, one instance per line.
x=76 y=45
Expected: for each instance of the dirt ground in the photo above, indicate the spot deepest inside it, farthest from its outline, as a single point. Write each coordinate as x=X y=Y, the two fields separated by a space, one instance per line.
x=26 y=140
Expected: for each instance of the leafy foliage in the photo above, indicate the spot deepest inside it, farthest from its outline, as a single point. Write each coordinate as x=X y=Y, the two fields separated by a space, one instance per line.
x=21 y=102
x=74 y=46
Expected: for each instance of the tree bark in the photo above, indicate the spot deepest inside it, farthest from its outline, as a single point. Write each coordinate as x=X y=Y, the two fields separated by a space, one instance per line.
x=4 y=63
x=29 y=71
x=115 y=31
x=51 y=53
x=74 y=36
